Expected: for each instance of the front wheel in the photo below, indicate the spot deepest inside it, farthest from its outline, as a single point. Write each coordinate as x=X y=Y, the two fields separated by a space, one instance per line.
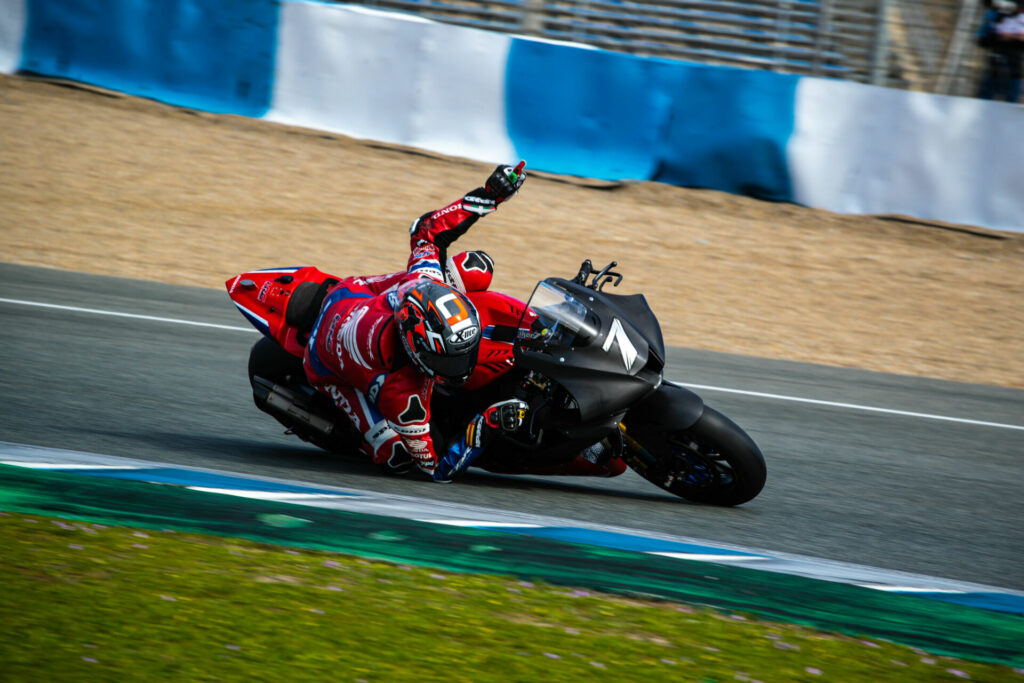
x=713 y=461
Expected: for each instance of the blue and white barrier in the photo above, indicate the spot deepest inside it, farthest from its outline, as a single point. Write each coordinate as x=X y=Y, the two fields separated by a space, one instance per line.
x=212 y=55
x=569 y=109
x=396 y=78
x=12 y=33
x=867 y=150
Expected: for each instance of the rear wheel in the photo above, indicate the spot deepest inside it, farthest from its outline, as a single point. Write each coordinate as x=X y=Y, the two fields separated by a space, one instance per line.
x=713 y=461
x=268 y=360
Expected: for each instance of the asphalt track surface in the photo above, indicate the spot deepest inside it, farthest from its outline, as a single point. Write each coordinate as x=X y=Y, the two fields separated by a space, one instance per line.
x=898 y=490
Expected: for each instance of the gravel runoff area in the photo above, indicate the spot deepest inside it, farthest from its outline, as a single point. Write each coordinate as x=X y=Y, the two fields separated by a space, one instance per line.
x=100 y=182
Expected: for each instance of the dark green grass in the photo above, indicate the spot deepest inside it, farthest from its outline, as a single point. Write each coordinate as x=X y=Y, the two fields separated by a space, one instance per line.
x=80 y=601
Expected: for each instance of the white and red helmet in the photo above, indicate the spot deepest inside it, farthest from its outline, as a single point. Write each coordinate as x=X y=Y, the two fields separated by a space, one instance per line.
x=469 y=271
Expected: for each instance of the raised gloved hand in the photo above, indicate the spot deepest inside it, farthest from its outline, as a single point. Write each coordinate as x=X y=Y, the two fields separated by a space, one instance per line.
x=506 y=416
x=501 y=185
x=506 y=181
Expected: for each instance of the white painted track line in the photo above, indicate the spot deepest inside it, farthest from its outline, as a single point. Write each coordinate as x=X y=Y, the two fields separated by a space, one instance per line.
x=854 y=406
x=742 y=392
x=119 y=314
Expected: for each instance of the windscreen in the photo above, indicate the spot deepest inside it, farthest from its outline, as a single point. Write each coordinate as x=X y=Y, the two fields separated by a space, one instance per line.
x=561 y=320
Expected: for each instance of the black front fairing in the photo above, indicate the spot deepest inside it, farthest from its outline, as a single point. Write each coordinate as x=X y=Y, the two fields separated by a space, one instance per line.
x=605 y=350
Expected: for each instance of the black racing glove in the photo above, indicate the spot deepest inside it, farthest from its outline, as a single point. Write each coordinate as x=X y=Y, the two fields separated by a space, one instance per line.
x=506 y=181
x=501 y=186
x=506 y=415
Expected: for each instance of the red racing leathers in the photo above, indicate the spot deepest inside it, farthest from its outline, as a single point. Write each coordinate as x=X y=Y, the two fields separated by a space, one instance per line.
x=355 y=356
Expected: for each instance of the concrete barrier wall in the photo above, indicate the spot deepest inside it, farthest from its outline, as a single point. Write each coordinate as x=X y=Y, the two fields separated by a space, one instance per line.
x=606 y=115
x=13 y=19
x=396 y=78
x=213 y=55
x=565 y=108
x=867 y=150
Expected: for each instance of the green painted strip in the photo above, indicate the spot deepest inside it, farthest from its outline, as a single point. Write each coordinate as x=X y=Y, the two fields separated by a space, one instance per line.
x=942 y=628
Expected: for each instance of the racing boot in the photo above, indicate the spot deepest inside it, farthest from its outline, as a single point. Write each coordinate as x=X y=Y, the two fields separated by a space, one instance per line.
x=398 y=463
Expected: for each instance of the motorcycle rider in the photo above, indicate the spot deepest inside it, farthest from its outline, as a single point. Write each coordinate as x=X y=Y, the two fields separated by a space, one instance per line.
x=380 y=344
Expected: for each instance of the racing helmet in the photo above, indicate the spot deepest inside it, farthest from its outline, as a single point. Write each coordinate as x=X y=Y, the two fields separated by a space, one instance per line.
x=469 y=271
x=440 y=330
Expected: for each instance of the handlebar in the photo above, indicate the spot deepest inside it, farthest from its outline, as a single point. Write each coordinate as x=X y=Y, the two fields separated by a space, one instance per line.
x=601 y=278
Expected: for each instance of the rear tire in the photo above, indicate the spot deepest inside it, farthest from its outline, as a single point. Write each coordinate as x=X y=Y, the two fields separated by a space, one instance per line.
x=713 y=461
x=269 y=360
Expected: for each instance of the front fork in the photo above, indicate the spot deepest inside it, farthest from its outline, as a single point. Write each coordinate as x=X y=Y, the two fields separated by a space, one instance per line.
x=692 y=471
x=633 y=452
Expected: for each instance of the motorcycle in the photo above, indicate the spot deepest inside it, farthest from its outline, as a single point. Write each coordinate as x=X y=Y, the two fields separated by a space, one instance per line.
x=589 y=363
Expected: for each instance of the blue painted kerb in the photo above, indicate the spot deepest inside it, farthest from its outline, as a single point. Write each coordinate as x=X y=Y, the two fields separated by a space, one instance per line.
x=184 y=477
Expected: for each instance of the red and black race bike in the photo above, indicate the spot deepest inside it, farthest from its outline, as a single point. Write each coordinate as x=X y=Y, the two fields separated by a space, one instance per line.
x=588 y=362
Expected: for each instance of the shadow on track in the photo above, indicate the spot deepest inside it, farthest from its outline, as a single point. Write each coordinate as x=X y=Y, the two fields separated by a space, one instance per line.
x=508 y=482
x=242 y=453
x=222 y=451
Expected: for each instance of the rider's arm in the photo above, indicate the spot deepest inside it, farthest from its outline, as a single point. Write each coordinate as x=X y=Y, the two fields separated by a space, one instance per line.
x=425 y=261
x=442 y=227
x=378 y=284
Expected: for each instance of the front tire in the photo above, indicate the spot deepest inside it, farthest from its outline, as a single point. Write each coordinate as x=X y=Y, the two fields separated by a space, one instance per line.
x=713 y=461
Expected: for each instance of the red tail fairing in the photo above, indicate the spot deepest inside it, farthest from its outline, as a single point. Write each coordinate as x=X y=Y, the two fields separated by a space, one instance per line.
x=263 y=297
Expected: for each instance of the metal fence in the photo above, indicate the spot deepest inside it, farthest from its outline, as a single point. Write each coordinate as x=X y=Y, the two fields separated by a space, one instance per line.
x=920 y=45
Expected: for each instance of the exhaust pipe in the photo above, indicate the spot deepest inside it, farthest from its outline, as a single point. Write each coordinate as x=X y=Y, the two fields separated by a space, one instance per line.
x=282 y=402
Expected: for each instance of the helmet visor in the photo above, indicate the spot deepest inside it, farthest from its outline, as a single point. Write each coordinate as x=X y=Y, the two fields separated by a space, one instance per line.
x=450 y=370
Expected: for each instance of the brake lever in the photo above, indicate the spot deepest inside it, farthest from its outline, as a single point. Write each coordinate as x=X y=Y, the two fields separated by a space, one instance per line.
x=586 y=268
x=609 y=276
x=605 y=271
